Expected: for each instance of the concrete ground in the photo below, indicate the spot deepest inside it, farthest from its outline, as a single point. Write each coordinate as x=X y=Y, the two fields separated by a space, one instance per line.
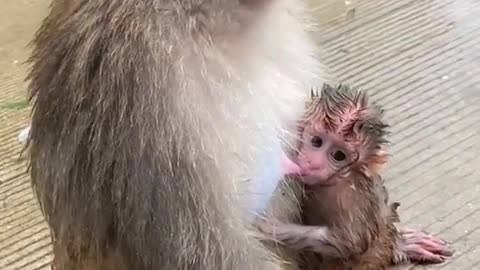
x=418 y=57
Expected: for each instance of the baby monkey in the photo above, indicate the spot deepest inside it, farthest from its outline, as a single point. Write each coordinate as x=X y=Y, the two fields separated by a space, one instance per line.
x=348 y=222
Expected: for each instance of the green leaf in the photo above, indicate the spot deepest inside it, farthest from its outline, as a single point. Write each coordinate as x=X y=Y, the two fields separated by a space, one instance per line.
x=15 y=106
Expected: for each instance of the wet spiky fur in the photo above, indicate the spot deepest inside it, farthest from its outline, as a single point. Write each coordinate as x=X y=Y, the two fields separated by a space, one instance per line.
x=348 y=112
x=359 y=215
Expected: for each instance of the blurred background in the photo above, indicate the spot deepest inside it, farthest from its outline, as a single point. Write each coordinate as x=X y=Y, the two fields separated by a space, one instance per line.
x=418 y=58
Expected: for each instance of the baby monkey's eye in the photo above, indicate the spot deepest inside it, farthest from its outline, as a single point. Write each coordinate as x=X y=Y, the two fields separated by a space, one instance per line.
x=317 y=141
x=339 y=155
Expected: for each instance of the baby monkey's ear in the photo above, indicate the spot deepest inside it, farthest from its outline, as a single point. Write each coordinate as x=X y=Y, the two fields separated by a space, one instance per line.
x=371 y=131
x=376 y=163
x=375 y=143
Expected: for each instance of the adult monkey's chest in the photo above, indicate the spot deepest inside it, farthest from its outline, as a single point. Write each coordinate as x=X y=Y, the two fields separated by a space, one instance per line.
x=268 y=173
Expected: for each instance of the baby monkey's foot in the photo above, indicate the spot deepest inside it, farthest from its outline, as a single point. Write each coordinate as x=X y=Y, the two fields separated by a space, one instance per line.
x=421 y=247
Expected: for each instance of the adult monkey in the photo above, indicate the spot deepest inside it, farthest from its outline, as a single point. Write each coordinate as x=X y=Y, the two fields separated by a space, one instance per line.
x=149 y=118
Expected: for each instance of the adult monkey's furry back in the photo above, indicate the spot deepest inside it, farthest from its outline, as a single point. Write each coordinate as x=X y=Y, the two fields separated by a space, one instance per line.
x=151 y=122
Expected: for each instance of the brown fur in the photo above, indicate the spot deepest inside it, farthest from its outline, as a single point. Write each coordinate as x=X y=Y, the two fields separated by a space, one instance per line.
x=285 y=207
x=360 y=220
x=349 y=114
x=150 y=116
x=347 y=221
x=358 y=214
x=350 y=224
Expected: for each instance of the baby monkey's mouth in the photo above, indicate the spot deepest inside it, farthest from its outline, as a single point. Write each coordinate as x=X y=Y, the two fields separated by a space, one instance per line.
x=315 y=180
x=318 y=176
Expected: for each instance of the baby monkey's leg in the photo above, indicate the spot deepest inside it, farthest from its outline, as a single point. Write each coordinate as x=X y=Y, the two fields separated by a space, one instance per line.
x=417 y=246
x=422 y=247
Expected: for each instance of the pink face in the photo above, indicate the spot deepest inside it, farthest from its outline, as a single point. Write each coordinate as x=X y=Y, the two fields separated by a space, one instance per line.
x=321 y=156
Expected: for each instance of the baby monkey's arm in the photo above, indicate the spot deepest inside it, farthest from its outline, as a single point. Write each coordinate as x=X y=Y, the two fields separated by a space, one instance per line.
x=319 y=239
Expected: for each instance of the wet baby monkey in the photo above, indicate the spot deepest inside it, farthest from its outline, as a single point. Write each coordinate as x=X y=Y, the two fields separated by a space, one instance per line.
x=347 y=220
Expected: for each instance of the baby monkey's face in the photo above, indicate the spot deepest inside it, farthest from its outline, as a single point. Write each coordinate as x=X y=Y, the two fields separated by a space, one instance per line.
x=322 y=155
